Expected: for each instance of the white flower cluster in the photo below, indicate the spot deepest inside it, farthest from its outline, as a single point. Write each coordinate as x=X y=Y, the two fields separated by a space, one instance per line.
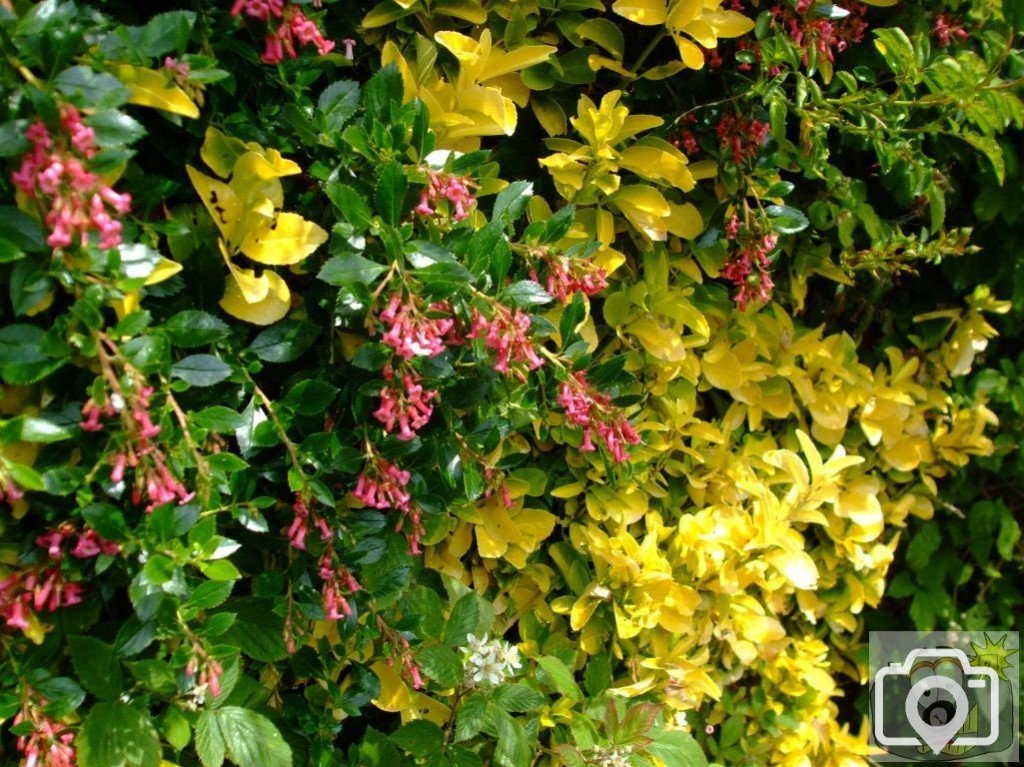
x=610 y=756
x=490 y=661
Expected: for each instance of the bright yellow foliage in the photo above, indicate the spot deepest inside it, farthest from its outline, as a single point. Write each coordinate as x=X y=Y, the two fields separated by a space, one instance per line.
x=692 y=23
x=482 y=100
x=246 y=209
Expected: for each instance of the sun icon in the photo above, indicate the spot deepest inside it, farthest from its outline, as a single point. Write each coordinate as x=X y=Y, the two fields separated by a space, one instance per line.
x=993 y=654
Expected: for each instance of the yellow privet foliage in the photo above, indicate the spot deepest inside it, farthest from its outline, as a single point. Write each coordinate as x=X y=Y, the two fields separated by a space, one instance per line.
x=247 y=211
x=589 y=174
x=692 y=23
x=482 y=100
x=729 y=568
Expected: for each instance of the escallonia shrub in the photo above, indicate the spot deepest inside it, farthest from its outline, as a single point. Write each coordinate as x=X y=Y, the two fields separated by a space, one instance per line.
x=435 y=384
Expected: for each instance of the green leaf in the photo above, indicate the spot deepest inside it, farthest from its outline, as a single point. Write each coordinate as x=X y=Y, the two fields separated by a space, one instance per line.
x=383 y=94
x=518 y=698
x=219 y=419
x=896 y=49
x=923 y=546
x=463 y=620
x=117 y=735
x=469 y=720
x=192 y=328
x=21 y=358
x=572 y=316
x=245 y=736
x=529 y=293
x=420 y=737
x=337 y=104
x=96 y=666
x=352 y=205
x=512 y=749
x=209 y=594
x=597 y=674
x=1009 y=534
x=201 y=370
x=284 y=342
x=678 y=749
x=310 y=397
x=444 y=278
x=786 y=219
x=441 y=664
x=114 y=128
x=350 y=269
x=559 y=677
x=63 y=695
x=511 y=201
x=85 y=87
x=390 y=194
x=47 y=427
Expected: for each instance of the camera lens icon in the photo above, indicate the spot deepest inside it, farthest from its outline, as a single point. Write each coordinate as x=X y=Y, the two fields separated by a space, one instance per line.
x=927 y=699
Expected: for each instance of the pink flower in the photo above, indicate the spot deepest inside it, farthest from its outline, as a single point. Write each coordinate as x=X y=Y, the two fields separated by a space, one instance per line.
x=946 y=29
x=506 y=335
x=413 y=334
x=350 y=47
x=54 y=173
x=449 y=187
x=407 y=406
x=594 y=412
x=568 y=276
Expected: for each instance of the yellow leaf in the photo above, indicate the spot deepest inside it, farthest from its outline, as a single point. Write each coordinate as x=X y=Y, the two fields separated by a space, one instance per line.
x=467 y=10
x=165 y=269
x=220 y=200
x=394 y=694
x=682 y=13
x=272 y=306
x=689 y=52
x=150 y=88
x=424 y=707
x=288 y=240
x=797 y=566
x=515 y=60
x=648 y=12
x=219 y=151
x=684 y=221
x=549 y=114
x=645 y=208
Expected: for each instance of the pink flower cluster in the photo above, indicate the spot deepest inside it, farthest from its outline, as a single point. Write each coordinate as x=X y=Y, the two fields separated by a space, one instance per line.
x=339 y=584
x=9 y=490
x=382 y=486
x=749 y=268
x=593 y=411
x=411 y=333
x=743 y=136
x=42 y=587
x=828 y=36
x=286 y=26
x=208 y=669
x=406 y=405
x=300 y=525
x=505 y=334
x=446 y=186
x=568 y=276
x=946 y=29
x=398 y=647
x=154 y=481
x=54 y=173
x=49 y=743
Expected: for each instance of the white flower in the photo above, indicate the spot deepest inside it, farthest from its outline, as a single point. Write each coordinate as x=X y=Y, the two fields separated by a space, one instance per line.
x=490 y=661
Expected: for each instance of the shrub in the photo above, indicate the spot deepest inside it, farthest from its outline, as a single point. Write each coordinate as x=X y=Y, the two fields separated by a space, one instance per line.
x=529 y=383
